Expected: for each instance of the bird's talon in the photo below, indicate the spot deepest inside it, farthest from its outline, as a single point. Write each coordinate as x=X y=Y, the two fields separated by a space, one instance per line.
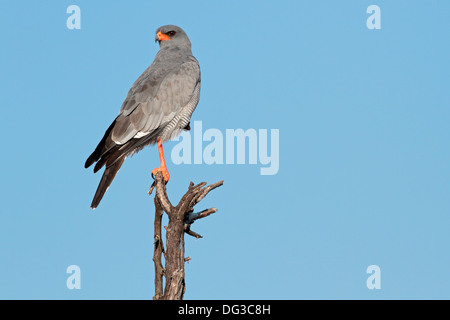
x=164 y=172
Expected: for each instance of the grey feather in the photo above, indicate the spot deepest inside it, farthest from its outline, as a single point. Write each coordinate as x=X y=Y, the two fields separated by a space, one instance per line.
x=146 y=112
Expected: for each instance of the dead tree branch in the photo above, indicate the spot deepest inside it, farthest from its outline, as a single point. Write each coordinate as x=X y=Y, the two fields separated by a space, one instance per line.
x=158 y=251
x=181 y=217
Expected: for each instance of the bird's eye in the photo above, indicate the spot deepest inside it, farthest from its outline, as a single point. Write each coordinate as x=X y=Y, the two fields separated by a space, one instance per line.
x=171 y=33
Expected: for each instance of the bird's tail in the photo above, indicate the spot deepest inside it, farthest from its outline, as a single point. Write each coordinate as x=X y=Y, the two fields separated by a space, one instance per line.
x=105 y=182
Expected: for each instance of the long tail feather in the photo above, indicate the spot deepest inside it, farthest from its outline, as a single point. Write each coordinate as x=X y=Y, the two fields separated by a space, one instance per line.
x=105 y=182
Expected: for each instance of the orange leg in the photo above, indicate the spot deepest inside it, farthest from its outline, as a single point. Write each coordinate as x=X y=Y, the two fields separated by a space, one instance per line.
x=163 y=167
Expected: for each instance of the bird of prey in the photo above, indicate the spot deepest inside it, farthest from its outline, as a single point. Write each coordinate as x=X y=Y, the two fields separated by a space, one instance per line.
x=157 y=108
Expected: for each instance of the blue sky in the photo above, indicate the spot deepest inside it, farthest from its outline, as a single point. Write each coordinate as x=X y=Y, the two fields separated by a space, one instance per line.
x=364 y=160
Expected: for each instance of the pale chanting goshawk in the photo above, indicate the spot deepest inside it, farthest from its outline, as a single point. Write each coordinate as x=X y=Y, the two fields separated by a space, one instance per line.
x=158 y=106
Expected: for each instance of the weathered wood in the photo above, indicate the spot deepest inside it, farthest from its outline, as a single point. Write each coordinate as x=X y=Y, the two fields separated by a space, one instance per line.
x=158 y=251
x=181 y=218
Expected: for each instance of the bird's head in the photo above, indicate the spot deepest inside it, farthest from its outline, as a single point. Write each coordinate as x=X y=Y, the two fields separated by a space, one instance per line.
x=171 y=35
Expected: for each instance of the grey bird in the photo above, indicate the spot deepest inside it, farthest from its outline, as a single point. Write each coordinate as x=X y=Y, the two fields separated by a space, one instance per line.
x=157 y=108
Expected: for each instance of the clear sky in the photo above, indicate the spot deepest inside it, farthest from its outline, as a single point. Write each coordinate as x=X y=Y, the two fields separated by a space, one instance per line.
x=364 y=164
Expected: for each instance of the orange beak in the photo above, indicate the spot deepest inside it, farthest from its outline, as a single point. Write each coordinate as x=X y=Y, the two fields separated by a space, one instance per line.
x=162 y=37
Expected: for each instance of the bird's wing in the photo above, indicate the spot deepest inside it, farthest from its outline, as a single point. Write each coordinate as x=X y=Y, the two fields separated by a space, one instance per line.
x=152 y=102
